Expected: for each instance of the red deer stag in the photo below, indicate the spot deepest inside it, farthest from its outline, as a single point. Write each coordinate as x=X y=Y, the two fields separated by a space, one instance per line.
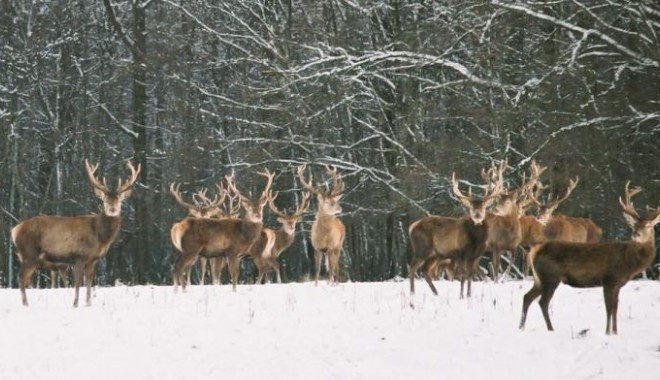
x=566 y=228
x=505 y=230
x=583 y=265
x=443 y=240
x=328 y=232
x=284 y=236
x=77 y=240
x=204 y=208
x=219 y=238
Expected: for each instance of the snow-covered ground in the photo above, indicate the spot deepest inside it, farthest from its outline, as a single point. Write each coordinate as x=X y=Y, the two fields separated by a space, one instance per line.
x=347 y=331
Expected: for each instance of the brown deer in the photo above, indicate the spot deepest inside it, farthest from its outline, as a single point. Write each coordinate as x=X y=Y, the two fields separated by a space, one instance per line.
x=328 y=232
x=202 y=208
x=441 y=240
x=505 y=229
x=78 y=240
x=582 y=265
x=284 y=237
x=219 y=238
x=566 y=228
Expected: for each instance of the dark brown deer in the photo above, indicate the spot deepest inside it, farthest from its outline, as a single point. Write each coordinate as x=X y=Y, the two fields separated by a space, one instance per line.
x=202 y=208
x=219 y=238
x=77 y=240
x=441 y=240
x=583 y=265
x=283 y=237
x=328 y=232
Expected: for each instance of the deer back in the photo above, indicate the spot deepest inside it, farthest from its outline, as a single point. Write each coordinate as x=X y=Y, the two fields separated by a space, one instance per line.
x=58 y=237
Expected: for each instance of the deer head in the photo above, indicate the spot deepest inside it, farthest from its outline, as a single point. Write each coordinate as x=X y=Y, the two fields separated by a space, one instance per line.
x=112 y=199
x=546 y=209
x=289 y=221
x=642 y=227
x=477 y=207
x=329 y=198
x=253 y=208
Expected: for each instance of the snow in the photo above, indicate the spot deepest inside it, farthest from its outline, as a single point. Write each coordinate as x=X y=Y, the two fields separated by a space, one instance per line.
x=346 y=331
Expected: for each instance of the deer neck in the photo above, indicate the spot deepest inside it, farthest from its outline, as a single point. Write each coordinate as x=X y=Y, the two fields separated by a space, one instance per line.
x=107 y=227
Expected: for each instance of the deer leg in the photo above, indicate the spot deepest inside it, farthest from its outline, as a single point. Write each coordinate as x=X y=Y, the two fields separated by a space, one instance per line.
x=611 y=293
x=427 y=269
x=53 y=278
x=27 y=269
x=529 y=297
x=64 y=275
x=496 y=265
x=318 y=256
x=412 y=269
x=202 y=269
x=234 y=270
x=276 y=267
x=77 y=279
x=333 y=260
x=89 y=280
x=546 y=295
x=215 y=274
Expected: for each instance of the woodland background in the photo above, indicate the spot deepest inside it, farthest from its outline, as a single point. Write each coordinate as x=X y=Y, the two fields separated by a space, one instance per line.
x=397 y=94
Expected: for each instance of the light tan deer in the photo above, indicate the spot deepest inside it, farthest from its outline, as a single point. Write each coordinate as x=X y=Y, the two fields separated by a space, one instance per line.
x=284 y=237
x=78 y=240
x=202 y=208
x=585 y=265
x=219 y=238
x=328 y=232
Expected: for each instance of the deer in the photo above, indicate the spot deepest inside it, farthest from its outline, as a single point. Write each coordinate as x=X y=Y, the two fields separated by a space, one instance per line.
x=565 y=228
x=609 y=264
x=284 y=236
x=448 y=241
x=202 y=208
x=229 y=238
x=505 y=224
x=78 y=240
x=328 y=232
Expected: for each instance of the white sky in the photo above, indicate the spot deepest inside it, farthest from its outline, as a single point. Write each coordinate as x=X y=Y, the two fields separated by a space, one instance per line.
x=348 y=331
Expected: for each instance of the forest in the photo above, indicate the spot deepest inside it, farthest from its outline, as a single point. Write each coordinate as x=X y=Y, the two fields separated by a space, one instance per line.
x=396 y=94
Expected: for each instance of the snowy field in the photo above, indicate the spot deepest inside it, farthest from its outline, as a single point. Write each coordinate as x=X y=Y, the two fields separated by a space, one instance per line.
x=348 y=331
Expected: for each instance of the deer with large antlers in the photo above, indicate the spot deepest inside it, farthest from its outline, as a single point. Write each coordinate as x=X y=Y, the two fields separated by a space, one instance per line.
x=440 y=240
x=505 y=230
x=283 y=237
x=583 y=265
x=562 y=227
x=220 y=238
x=203 y=207
x=78 y=240
x=328 y=232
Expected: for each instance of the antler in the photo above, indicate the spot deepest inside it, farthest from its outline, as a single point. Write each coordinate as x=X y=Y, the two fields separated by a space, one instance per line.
x=123 y=187
x=217 y=200
x=307 y=184
x=466 y=200
x=629 y=211
x=269 y=176
x=174 y=190
x=572 y=183
x=300 y=208
x=337 y=183
x=91 y=174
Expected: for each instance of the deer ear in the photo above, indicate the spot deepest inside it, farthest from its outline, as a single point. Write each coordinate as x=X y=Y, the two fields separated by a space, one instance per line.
x=125 y=194
x=100 y=194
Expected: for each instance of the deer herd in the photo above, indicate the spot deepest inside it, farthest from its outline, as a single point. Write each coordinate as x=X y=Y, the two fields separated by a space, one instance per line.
x=560 y=248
